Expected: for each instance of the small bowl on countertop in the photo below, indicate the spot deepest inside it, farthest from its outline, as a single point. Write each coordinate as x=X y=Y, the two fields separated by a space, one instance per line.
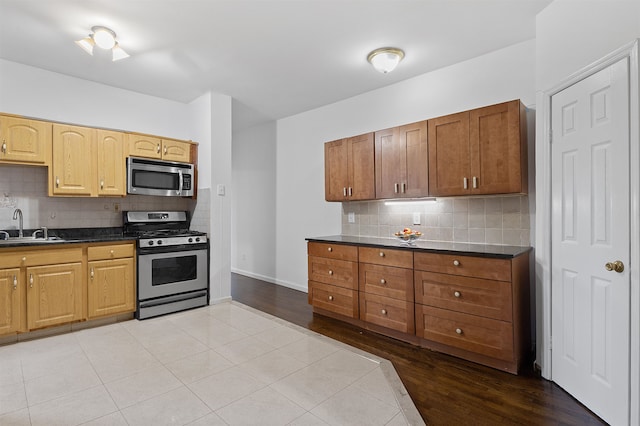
x=408 y=237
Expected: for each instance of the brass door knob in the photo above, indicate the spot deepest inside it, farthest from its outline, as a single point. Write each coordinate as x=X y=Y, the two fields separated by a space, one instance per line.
x=617 y=266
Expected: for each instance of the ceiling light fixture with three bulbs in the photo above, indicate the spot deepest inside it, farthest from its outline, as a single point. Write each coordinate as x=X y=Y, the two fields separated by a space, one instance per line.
x=104 y=38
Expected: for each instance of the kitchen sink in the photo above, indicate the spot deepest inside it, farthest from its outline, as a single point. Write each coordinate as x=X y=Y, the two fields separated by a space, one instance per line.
x=30 y=240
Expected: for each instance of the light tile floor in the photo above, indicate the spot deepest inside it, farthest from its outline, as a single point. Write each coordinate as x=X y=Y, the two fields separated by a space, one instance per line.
x=226 y=364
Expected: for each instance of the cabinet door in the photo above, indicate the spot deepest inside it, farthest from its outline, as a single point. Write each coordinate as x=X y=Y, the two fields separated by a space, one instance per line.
x=72 y=171
x=173 y=150
x=449 y=170
x=361 y=168
x=54 y=294
x=111 y=167
x=495 y=147
x=390 y=163
x=10 y=300
x=23 y=140
x=144 y=146
x=413 y=138
x=335 y=170
x=111 y=287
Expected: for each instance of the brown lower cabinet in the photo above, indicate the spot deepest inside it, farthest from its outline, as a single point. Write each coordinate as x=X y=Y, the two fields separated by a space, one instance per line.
x=48 y=286
x=471 y=306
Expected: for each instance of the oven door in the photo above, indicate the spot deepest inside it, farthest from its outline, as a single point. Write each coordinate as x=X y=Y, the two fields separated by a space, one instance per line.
x=171 y=272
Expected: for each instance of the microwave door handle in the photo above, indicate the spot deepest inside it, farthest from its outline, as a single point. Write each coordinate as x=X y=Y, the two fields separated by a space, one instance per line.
x=180 y=184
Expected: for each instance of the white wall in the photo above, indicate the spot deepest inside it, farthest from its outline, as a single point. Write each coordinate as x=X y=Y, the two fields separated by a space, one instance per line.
x=34 y=92
x=572 y=34
x=254 y=201
x=300 y=207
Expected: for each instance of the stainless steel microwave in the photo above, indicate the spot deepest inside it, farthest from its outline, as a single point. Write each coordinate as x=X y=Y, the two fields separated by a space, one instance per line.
x=162 y=178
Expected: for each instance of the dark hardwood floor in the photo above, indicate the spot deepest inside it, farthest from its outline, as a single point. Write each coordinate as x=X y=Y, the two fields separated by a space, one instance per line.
x=445 y=390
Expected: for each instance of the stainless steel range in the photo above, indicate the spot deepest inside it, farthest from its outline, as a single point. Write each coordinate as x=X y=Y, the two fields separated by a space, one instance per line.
x=173 y=262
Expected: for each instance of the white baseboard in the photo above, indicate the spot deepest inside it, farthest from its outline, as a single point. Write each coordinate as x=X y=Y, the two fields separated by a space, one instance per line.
x=219 y=300
x=271 y=280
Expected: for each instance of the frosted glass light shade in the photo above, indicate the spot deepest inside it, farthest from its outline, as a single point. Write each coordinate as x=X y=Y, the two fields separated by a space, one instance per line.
x=118 y=53
x=86 y=44
x=104 y=37
x=385 y=59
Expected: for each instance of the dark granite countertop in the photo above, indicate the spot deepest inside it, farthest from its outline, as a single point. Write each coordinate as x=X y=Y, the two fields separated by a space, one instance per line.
x=69 y=236
x=469 y=249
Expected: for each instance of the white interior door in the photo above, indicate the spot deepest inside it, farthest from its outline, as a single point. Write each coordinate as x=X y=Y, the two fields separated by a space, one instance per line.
x=590 y=312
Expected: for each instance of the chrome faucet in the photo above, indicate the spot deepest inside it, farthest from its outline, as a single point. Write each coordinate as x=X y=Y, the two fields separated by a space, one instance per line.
x=18 y=214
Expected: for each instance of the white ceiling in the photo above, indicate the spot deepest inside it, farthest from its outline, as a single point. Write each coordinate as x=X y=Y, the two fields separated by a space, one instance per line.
x=275 y=58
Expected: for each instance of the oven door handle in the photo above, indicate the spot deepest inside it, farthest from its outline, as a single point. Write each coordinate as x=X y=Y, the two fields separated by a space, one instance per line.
x=180 y=182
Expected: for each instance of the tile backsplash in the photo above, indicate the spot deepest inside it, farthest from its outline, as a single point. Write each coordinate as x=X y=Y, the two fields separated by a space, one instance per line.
x=486 y=220
x=25 y=187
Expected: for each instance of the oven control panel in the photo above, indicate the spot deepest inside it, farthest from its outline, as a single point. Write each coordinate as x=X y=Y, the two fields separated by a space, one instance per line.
x=172 y=241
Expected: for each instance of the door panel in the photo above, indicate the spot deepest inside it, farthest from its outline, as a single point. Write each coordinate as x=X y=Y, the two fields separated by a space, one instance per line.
x=449 y=155
x=590 y=227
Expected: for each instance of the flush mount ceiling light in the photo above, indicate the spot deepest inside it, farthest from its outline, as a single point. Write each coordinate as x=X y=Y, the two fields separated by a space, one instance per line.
x=385 y=59
x=104 y=38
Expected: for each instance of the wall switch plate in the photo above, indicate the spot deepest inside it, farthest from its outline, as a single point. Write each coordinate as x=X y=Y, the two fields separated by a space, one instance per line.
x=220 y=189
x=416 y=218
x=351 y=217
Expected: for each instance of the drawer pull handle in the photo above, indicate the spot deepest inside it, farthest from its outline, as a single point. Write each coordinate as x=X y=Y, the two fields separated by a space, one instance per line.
x=92 y=273
x=381 y=254
x=31 y=280
x=465 y=183
x=395 y=188
x=330 y=272
x=475 y=182
x=456 y=263
x=15 y=282
x=383 y=312
x=4 y=147
x=383 y=281
x=330 y=297
x=344 y=191
x=102 y=184
x=457 y=294
x=158 y=149
x=329 y=249
x=57 y=182
x=166 y=149
x=350 y=192
x=459 y=330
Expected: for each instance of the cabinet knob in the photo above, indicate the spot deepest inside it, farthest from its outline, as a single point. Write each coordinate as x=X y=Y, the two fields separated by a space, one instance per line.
x=330 y=272
x=381 y=254
x=24 y=259
x=457 y=294
x=383 y=281
x=329 y=249
x=112 y=252
x=383 y=312
x=456 y=263
x=459 y=330
x=330 y=297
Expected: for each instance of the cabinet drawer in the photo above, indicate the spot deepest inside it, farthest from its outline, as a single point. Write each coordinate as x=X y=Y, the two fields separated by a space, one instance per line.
x=335 y=299
x=388 y=257
x=112 y=251
x=468 y=266
x=35 y=257
x=387 y=312
x=486 y=298
x=333 y=251
x=484 y=336
x=387 y=281
x=335 y=272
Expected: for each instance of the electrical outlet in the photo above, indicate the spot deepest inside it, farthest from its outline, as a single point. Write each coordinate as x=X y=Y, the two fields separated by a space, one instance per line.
x=416 y=218
x=351 y=217
x=221 y=189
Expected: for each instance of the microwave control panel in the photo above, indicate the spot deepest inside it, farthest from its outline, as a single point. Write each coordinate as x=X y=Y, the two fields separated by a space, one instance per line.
x=186 y=182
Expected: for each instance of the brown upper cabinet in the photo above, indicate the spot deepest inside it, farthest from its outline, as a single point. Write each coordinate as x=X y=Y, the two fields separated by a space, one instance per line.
x=349 y=169
x=401 y=160
x=111 y=168
x=73 y=161
x=479 y=152
x=165 y=149
x=23 y=140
